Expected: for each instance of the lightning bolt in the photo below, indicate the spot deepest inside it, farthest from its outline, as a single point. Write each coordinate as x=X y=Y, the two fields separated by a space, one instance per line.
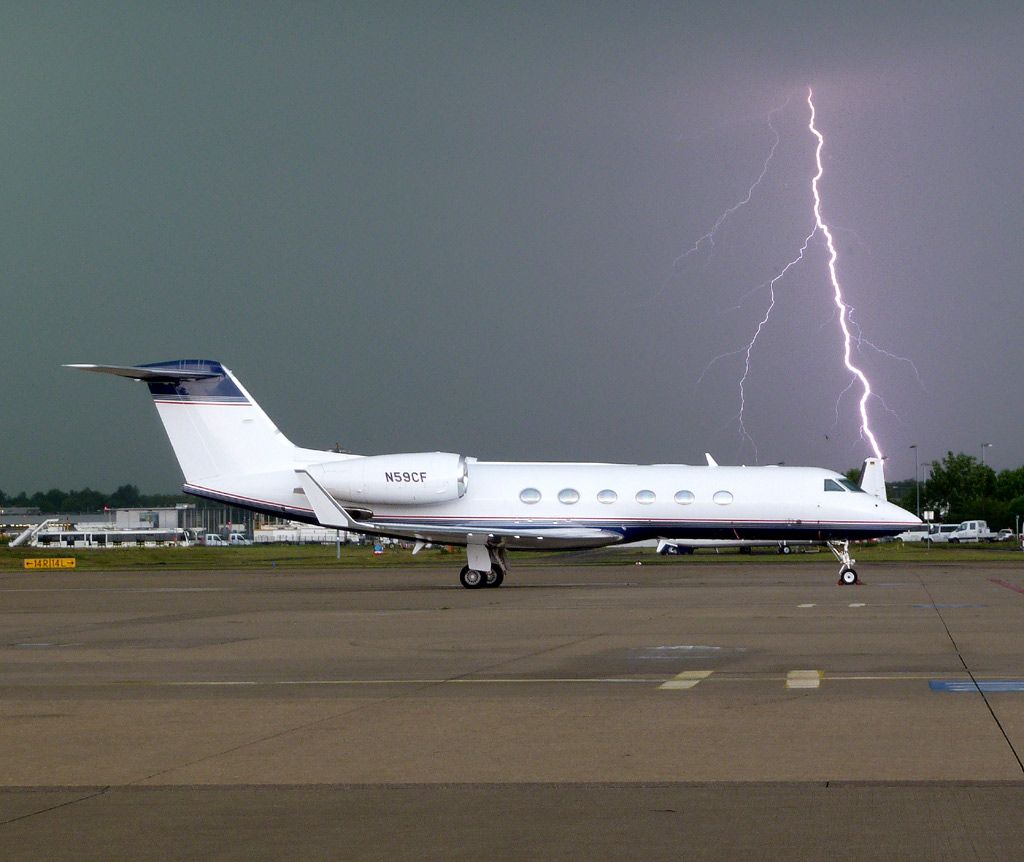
x=843 y=311
x=837 y=292
x=852 y=336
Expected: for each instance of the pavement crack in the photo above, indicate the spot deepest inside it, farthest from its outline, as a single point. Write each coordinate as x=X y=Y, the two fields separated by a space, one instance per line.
x=65 y=804
x=970 y=673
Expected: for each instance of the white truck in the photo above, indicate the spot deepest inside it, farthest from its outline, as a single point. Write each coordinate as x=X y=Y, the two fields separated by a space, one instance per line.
x=971 y=531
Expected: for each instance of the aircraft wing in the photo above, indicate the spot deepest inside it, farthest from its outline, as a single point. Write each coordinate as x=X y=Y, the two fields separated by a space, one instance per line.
x=330 y=513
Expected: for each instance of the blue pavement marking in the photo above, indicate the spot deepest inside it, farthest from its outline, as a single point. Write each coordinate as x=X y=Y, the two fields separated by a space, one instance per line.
x=929 y=607
x=984 y=685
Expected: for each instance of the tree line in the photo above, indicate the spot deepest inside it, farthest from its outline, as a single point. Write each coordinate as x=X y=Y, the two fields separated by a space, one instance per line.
x=961 y=488
x=56 y=501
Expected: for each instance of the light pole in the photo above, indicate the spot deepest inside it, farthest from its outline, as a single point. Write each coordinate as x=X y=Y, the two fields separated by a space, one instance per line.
x=984 y=446
x=917 y=480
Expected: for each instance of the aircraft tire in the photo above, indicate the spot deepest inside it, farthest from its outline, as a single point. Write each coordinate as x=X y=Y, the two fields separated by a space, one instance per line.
x=494 y=577
x=471 y=579
x=847 y=577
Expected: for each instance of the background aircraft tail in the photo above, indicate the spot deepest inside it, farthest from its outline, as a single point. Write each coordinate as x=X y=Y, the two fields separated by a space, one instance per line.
x=872 y=478
x=214 y=425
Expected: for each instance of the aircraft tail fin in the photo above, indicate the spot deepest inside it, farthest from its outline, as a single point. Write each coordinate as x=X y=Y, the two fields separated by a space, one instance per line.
x=215 y=427
x=872 y=478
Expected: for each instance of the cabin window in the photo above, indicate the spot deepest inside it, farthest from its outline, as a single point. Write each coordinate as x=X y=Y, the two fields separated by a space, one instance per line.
x=832 y=485
x=568 y=496
x=645 y=497
x=529 y=495
x=607 y=496
x=684 y=498
x=723 y=498
x=852 y=486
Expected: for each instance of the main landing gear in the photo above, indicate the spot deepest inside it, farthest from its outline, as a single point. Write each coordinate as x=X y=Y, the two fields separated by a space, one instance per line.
x=486 y=568
x=474 y=579
x=847 y=572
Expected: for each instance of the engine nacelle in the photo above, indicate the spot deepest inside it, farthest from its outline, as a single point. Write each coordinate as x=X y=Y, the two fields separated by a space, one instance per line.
x=408 y=480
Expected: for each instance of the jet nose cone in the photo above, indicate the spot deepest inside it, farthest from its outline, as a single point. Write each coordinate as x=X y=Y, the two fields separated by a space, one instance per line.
x=893 y=512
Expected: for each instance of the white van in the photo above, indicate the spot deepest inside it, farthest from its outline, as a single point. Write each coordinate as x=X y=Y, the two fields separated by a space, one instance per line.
x=918 y=534
x=939 y=534
x=215 y=540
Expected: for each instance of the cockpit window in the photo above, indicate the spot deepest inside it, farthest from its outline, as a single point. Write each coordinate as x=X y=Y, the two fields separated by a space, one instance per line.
x=851 y=486
x=832 y=485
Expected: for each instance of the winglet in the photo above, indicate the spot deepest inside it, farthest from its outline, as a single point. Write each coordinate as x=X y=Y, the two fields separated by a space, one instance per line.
x=327 y=510
x=711 y=461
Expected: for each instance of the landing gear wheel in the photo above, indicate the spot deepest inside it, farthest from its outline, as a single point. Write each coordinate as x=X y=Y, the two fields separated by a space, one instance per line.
x=785 y=549
x=494 y=577
x=472 y=579
x=847 y=573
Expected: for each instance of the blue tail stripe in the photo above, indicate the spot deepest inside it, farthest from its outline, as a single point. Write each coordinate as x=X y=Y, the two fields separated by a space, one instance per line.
x=219 y=388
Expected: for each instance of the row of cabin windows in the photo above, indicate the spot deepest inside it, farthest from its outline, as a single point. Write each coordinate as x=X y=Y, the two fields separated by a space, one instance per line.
x=568 y=496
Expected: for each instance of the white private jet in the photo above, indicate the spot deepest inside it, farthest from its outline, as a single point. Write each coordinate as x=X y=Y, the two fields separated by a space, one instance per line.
x=230 y=451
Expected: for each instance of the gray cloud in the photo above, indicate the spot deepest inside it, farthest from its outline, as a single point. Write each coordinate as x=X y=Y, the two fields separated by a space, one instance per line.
x=411 y=229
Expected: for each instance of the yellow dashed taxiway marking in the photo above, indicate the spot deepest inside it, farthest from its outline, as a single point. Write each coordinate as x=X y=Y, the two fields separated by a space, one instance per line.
x=686 y=679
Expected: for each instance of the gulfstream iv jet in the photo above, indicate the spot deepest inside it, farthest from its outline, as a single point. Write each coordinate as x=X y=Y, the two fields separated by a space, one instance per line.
x=230 y=451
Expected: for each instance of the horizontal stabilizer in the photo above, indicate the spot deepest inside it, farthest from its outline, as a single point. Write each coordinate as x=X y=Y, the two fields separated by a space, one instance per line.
x=214 y=426
x=142 y=372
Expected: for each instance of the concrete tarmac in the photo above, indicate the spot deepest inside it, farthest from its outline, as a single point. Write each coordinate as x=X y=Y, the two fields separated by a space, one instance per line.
x=710 y=711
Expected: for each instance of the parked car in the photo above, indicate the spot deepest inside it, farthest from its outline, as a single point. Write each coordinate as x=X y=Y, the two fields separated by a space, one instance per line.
x=1004 y=535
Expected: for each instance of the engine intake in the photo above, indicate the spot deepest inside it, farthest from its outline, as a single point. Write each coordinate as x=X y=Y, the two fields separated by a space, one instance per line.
x=414 y=479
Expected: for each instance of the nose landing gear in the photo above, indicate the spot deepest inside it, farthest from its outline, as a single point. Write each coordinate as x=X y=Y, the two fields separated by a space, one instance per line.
x=847 y=572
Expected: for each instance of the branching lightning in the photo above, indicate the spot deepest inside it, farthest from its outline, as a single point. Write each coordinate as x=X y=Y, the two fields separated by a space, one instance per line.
x=852 y=336
x=708 y=239
x=760 y=327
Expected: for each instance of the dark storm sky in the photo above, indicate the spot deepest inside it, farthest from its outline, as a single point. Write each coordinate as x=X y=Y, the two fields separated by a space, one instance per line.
x=413 y=227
